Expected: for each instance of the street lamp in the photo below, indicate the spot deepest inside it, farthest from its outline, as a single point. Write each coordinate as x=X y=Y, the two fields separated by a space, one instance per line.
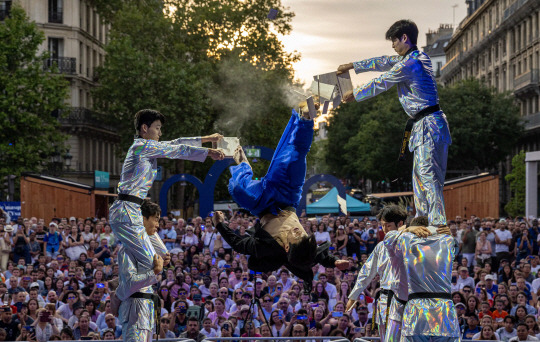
x=67 y=159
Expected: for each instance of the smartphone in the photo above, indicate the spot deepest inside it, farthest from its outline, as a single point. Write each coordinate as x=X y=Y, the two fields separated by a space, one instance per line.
x=337 y=314
x=30 y=329
x=227 y=266
x=249 y=288
x=312 y=324
x=280 y=313
x=361 y=297
x=315 y=305
x=357 y=330
x=301 y=317
x=354 y=255
x=100 y=285
x=70 y=288
x=331 y=248
x=478 y=290
x=202 y=227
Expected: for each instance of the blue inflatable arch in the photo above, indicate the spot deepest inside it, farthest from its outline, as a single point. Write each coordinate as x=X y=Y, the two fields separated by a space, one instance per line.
x=206 y=189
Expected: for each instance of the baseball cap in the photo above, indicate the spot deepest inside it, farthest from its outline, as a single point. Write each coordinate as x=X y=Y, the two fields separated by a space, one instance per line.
x=460 y=304
x=72 y=218
x=258 y=280
x=53 y=224
x=34 y=285
x=197 y=297
x=244 y=308
x=371 y=231
x=490 y=277
x=463 y=268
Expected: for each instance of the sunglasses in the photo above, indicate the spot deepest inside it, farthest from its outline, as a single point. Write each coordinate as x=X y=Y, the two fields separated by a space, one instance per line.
x=268 y=300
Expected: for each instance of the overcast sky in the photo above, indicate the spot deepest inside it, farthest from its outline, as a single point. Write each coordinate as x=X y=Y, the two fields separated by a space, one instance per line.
x=328 y=33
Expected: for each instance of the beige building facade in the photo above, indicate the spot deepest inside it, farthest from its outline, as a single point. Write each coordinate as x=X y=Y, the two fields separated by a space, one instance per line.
x=499 y=43
x=75 y=37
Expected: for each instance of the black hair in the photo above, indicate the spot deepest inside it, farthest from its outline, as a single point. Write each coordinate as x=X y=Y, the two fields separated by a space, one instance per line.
x=193 y=319
x=420 y=221
x=522 y=324
x=392 y=213
x=401 y=27
x=149 y=208
x=303 y=253
x=147 y=117
x=511 y=318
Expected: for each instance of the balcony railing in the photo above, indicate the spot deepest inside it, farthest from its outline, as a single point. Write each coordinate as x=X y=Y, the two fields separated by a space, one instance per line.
x=83 y=116
x=65 y=65
x=56 y=17
x=531 y=121
x=526 y=80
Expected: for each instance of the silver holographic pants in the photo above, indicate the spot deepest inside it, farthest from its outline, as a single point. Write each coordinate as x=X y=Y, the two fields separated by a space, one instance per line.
x=393 y=331
x=429 y=170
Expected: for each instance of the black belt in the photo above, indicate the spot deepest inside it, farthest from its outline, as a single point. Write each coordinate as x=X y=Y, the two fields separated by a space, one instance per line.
x=130 y=198
x=408 y=127
x=430 y=295
x=157 y=305
x=391 y=295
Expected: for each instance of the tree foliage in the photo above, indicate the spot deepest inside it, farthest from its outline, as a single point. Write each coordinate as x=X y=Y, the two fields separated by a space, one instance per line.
x=207 y=65
x=28 y=97
x=516 y=179
x=364 y=138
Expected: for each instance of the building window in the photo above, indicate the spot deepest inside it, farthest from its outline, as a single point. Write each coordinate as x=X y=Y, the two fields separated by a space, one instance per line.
x=55 y=11
x=5 y=8
x=56 y=47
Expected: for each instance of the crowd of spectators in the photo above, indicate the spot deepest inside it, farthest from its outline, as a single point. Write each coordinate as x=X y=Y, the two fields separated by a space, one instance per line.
x=56 y=279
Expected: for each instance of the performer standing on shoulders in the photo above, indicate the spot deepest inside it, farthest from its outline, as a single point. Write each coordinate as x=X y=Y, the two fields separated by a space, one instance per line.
x=138 y=174
x=412 y=72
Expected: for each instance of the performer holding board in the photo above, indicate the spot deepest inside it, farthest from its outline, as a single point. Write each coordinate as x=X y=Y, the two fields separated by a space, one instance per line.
x=411 y=71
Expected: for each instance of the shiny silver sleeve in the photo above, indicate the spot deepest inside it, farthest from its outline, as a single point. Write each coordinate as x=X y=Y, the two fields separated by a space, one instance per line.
x=366 y=274
x=382 y=83
x=193 y=141
x=383 y=63
x=130 y=280
x=167 y=149
x=158 y=245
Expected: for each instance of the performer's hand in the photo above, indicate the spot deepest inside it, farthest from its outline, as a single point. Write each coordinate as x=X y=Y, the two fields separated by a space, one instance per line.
x=343 y=68
x=419 y=231
x=158 y=264
x=342 y=265
x=350 y=305
x=348 y=97
x=216 y=154
x=240 y=156
x=444 y=230
x=212 y=138
x=166 y=259
x=218 y=218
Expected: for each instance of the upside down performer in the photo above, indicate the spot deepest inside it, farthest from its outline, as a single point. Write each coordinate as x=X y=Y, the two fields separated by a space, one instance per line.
x=278 y=238
x=427 y=127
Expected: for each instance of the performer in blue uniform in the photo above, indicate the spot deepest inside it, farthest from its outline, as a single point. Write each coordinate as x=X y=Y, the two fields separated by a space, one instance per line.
x=279 y=238
x=138 y=174
x=412 y=73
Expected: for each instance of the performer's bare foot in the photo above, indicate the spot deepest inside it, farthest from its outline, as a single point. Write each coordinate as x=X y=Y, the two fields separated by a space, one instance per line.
x=240 y=156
